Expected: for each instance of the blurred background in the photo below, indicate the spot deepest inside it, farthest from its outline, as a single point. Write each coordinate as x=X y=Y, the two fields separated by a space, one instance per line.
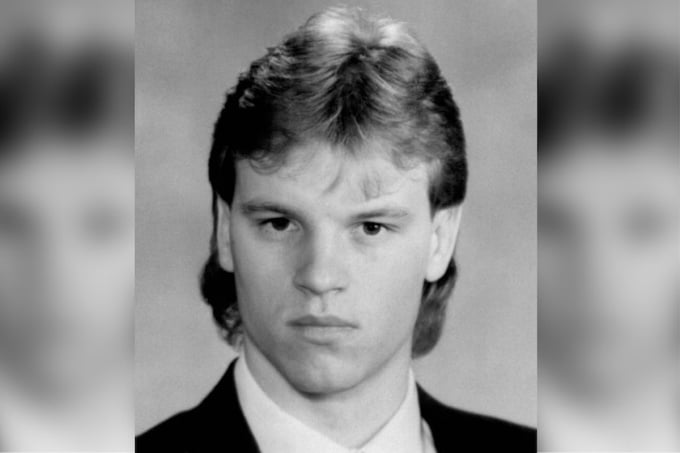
x=66 y=225
x=188 y=54
x=608 y=226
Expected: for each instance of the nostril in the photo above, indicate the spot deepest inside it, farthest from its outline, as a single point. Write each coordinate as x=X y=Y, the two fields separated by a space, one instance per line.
x=319 y=280
x=320 y=268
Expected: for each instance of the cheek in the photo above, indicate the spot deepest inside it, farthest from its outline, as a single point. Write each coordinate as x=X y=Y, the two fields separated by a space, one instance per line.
x=389 y=284
x=650 y=291
x=262 y=274
x=556 y=285
x=12 y=286
x=105 y=286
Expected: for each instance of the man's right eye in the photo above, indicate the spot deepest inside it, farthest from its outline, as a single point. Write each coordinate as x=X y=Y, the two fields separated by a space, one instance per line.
x=13 y=223
x=277 y=224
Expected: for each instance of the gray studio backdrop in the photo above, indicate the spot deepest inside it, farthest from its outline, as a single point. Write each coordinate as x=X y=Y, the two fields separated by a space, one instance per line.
x=188 y=53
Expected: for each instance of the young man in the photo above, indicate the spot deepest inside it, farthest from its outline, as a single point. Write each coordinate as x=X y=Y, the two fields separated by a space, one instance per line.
x=66 y=243
x=608 y=239
x=338 y=171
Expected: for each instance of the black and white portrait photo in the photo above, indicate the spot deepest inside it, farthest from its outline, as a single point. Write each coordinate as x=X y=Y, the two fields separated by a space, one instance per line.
x=350 y=190
x=339 y=226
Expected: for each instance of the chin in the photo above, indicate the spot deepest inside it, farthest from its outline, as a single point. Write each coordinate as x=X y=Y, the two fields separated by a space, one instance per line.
x=322 y=373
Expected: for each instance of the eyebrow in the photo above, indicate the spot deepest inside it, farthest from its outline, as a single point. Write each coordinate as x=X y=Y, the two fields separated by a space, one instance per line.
x=254 y=207
x=383 y=213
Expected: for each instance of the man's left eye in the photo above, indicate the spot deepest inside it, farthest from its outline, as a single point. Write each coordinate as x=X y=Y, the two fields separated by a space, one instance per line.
x=372 y=228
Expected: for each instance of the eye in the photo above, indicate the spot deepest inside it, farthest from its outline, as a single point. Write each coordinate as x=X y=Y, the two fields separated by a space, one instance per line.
x=646 y=224
x=102 y=224
x=13 y=223
x=278 y=223
x=372 y=228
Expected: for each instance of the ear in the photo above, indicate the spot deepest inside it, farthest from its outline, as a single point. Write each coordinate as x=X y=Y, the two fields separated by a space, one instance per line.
x=445 y=226
x=222 y=227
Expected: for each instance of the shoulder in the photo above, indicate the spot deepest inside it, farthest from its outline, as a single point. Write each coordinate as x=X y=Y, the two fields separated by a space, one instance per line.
x=216 y=424
x=171 y=435
x=198 y=430
x=457 y=428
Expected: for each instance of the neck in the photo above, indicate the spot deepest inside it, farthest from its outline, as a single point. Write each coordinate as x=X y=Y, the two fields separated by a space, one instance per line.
x=652 y=384
x=100 y=417
x=350 y=417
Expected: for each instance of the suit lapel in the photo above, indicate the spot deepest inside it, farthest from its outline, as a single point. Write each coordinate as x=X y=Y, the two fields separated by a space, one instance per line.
x=221 y=421
x=221 y=425
x=440 y=426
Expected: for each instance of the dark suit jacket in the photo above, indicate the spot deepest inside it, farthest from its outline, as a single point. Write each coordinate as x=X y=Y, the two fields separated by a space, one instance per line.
x=218 y=424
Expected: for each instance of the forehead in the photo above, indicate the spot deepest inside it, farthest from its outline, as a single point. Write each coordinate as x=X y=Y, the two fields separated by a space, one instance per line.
x=56 y=175
x=606 y=174
x=319 y=170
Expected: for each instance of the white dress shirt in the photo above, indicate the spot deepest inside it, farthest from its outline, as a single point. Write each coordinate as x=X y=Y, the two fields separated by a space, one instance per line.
x=276 y=431
x=104 y=422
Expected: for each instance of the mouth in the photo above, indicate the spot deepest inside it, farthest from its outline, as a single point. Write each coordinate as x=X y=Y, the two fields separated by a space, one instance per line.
x=328 y=321
x=322 y=330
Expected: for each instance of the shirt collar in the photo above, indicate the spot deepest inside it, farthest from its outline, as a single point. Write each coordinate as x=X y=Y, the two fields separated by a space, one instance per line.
x=277 y=431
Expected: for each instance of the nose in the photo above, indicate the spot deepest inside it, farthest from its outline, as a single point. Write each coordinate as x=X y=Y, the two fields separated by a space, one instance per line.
x=321 y=270
x=56 y=265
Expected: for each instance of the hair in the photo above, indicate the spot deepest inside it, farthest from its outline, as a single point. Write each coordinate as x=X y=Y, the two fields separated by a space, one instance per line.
x=618 y=93
x=341 y=78
x=85 y=92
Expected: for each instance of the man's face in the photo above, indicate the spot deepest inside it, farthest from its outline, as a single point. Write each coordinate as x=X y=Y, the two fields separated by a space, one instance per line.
x=66 y=262
x=608 y=260
x=330 y=253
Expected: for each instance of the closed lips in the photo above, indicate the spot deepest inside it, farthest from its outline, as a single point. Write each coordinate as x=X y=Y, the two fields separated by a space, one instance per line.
x=321 y=321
